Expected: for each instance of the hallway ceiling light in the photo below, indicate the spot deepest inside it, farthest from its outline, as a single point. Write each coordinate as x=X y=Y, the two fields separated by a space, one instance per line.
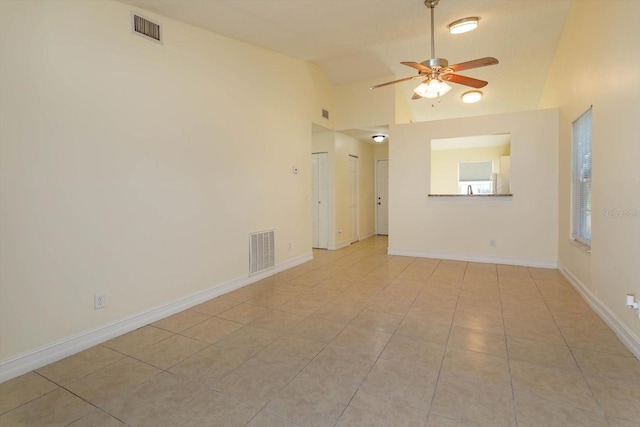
x=463 y=25
x=378 y=138
x=471 y=96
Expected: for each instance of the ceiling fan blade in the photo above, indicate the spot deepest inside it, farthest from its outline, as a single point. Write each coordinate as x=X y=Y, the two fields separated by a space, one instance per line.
x=416 y=96
x=463 y=80
x=394 y=82
x=476 y=63
x=417 y=66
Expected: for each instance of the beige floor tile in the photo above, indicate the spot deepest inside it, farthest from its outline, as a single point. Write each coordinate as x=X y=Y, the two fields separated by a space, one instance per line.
x=216 y=305
x=212 y=364
x=527 y=311
x=311 y=400
x=317 y=329
x=400 y=383
x=152 y=402
x=211 y=330
x=362 y=341
x=277 y=320
x=471 y=402
x=113 y=381
x=210 y=408
x=486 y=368
x=418 y=354
x=594 y=339
x=431 y=314
x=167 y=353
x=595 y=363
x=542 y=353
x=181 y=321
x=395 y=306
x=470 y=305
x=619 y=422
x=265 y=419
x=553 y=384
x=97 y=418
x=256 y=382
x=294 y=351
x=341 y=366
x=80 y=364
x=533 y=411
x=23 y=389
x=56 y=408
x=372 y=410
x=482 y=342
x=487 y=322
x=338 y=312
x=377 y=321
x=436 y=420
x=534 y=329
x=437 y=333
x=271 y=300
x=304 y=305
x=243 y=313
x=135 y=341
x=619 y=399
x=249 y=338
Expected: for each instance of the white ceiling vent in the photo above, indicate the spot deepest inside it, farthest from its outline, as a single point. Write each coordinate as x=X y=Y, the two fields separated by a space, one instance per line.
x=146 y=28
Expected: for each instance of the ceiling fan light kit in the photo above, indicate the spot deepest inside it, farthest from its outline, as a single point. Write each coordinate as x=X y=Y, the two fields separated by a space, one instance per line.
x=435 y=72
x=464 y=25
x=471 y=96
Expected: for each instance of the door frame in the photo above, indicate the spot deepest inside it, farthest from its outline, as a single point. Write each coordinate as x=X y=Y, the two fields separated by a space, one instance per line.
x=375 y=198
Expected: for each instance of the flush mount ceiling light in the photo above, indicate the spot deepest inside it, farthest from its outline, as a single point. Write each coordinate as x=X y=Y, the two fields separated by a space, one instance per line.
x=464 y=25
x=378 y=138
x=471 y=96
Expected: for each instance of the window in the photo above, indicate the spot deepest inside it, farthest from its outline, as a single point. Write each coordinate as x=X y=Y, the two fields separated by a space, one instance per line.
x=581 y=179
x=474 y=177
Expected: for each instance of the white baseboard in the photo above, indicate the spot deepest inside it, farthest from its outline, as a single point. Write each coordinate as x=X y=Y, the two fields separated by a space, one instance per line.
x=475 y=258
x=626 y=335
x=37 y=358
x=339 y=245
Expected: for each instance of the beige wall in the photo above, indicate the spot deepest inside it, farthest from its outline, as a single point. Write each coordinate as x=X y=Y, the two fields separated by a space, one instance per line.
x=444 y=165
x=138 y=169
x=524 y=226
x=611 y=269
x=358 y=106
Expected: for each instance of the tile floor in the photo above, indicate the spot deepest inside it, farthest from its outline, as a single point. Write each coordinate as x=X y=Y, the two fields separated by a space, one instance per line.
x=353 y=338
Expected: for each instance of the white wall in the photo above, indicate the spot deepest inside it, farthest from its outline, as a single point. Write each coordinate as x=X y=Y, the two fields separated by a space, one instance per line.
x=611 y=269
x=524 y=226
x=138 y=169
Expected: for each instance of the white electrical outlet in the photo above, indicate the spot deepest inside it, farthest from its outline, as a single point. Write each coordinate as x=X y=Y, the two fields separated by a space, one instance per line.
x=492 y=243
x=99 y=300
x=290 y=246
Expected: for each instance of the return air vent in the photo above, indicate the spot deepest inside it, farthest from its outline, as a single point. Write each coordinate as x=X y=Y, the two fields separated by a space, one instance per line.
x=146 y=28
x=325 y=113
x=261 y=251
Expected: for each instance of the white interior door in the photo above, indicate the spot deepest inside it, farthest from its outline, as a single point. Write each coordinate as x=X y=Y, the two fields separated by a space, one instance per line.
x=320 y=206
x=355 y=198
x=382 y=199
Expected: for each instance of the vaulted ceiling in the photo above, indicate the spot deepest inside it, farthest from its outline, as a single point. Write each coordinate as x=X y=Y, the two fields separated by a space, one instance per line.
x=354 y=40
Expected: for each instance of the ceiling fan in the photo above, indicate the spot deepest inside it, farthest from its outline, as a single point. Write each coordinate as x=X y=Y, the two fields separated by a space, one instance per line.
x=436 y=71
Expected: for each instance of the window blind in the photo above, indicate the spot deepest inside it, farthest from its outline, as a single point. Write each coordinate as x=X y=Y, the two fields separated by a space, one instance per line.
x=581 y=179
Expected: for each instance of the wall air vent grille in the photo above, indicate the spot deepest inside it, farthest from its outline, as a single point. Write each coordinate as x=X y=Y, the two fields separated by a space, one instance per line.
x=261 y=251
x=325 y=113
x=146 y=28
